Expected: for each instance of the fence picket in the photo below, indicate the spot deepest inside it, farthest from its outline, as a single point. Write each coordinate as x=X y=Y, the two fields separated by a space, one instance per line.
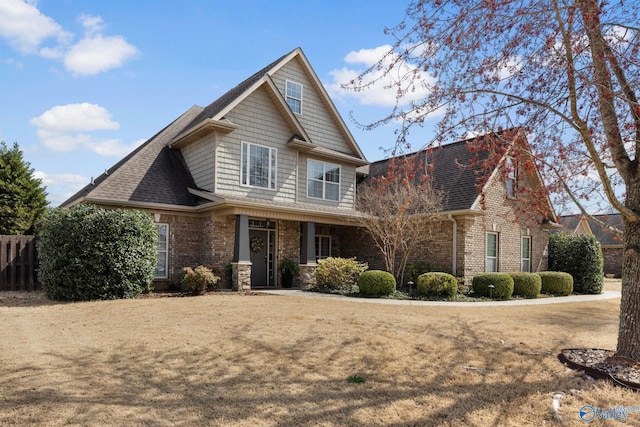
x=17 y=263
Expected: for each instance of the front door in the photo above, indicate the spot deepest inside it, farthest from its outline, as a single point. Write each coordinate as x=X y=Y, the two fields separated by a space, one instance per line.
x=261 y=245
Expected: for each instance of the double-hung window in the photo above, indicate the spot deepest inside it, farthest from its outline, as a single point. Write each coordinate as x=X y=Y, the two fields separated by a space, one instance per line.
x=163 y=252
x=492 y=252
x=258 y=166
x=510 y=179
x=526 y=254
x=294 y=96
x=323 y=180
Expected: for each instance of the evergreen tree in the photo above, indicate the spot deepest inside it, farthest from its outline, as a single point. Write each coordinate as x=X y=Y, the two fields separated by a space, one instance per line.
x=23 y=200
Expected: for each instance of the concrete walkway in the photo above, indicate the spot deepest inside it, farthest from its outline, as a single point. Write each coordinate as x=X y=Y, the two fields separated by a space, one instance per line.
x=550 y=300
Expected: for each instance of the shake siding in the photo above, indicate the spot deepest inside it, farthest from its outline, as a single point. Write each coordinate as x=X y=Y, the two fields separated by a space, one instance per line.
x=347 y=184
x=258 y=123
x=200 y=158
x=315 y=119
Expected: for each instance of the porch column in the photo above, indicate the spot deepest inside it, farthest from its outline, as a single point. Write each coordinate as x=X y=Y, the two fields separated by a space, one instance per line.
x=307 y=252
x=241 y=256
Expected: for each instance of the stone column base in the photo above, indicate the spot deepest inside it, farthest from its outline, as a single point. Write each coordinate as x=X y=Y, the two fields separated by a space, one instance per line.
x=241 y=276
x=306 y=273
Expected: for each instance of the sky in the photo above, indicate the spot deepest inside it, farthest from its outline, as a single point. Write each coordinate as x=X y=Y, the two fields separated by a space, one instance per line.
x=84 y=82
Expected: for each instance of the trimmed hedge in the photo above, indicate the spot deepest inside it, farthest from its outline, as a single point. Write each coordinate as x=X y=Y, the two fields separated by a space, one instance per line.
x=581 y=256
x=527 y=285
x=440 y=284
x=337 y=275
x=376 y=283
x=416 y=268
x=88 y=253
x=502 y=282
x=556 y=283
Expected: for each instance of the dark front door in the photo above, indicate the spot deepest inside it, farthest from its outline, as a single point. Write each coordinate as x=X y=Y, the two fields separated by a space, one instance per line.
x=260 y=242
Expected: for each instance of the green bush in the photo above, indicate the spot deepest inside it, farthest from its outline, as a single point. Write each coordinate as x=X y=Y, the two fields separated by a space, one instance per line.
x=581 y=256
x=199 y=279
x=502 y=282
x=416 y=268
x=376 y=283
x=440 y=284
x=527 y=285
x=88 y=253
x=337 y=275
x=556 y=283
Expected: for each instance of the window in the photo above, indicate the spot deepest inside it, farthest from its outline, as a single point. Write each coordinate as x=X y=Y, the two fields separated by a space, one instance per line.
x=510 y=179
x=294 y=97
x=323 y=180
x=163 y=251
x=258 y=166
x=492 y=252
x=323 y=247
x=526 y=254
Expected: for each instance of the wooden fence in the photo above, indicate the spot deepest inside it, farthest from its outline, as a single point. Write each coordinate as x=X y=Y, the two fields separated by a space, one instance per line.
x=18 y=263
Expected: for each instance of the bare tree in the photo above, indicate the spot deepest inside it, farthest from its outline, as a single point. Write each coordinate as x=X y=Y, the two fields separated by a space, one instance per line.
x=397 y=208
x=566 y=70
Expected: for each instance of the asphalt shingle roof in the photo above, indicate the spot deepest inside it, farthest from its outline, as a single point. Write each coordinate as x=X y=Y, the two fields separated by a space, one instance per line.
x=604 y=236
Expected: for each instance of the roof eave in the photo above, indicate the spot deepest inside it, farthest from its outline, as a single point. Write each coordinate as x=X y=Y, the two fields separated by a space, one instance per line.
x=202 y=129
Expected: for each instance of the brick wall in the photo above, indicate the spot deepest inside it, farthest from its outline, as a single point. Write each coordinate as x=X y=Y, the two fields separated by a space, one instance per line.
x=612 y=261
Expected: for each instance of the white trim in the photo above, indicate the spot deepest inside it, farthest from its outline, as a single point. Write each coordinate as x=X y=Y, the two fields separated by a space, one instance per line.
x=287 y=96
x=486 y=251
x=272 y=169
x=166 y=253
x=323 y=181
x=521 y=257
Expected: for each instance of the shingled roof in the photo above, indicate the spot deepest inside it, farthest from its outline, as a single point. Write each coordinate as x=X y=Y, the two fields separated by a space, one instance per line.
x=154 y=173
x=450 y=174
x=605 y=237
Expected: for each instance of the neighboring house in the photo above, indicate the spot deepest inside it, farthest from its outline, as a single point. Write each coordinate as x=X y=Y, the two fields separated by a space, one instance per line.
x=269 y=171
x=266 y=172
x=610 y=242
x=480 y=231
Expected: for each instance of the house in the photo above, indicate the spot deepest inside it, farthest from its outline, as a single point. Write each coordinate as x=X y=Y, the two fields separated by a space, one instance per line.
x=269 y=171
x=610 y=242
x=487 y=224
x=265 y=172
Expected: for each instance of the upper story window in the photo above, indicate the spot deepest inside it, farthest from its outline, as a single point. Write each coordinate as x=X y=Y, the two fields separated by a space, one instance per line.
x=510 y=179
x=323 y=180
x=294 y=96
x=258 y=166
x=162 y=266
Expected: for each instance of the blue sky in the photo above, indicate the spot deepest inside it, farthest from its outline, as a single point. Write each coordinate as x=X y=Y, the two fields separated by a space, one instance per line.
x=84 y=82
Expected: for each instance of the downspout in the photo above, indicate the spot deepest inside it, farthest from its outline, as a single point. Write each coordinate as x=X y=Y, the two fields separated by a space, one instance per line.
x=454 y=245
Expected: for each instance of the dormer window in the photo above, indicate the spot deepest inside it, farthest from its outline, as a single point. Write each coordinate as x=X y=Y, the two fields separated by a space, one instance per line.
x=294 y=96
x=510 y=178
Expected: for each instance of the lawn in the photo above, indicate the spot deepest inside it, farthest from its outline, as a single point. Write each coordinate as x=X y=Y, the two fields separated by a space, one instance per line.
x=264 y=360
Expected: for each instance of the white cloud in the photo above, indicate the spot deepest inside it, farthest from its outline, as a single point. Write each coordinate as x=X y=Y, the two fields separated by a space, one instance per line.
x=70 y=127
x=96 y=54
x=24 y=27
x=382 y=90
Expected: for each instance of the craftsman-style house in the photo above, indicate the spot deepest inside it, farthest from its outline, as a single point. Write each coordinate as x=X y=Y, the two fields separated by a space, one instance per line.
x=269 y=171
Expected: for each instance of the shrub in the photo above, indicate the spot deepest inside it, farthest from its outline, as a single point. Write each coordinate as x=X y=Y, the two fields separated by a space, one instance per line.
x=337 y=275
x=440 y=284
x=376 y=283
x=526 y=285
x=556 y=283
x=88 y=253
x=502 y=282
x=199 y=279
x=581 y=256
x=415 y=269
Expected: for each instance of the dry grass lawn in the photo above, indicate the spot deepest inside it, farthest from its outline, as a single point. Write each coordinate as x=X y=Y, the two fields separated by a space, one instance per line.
x=263 y=360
